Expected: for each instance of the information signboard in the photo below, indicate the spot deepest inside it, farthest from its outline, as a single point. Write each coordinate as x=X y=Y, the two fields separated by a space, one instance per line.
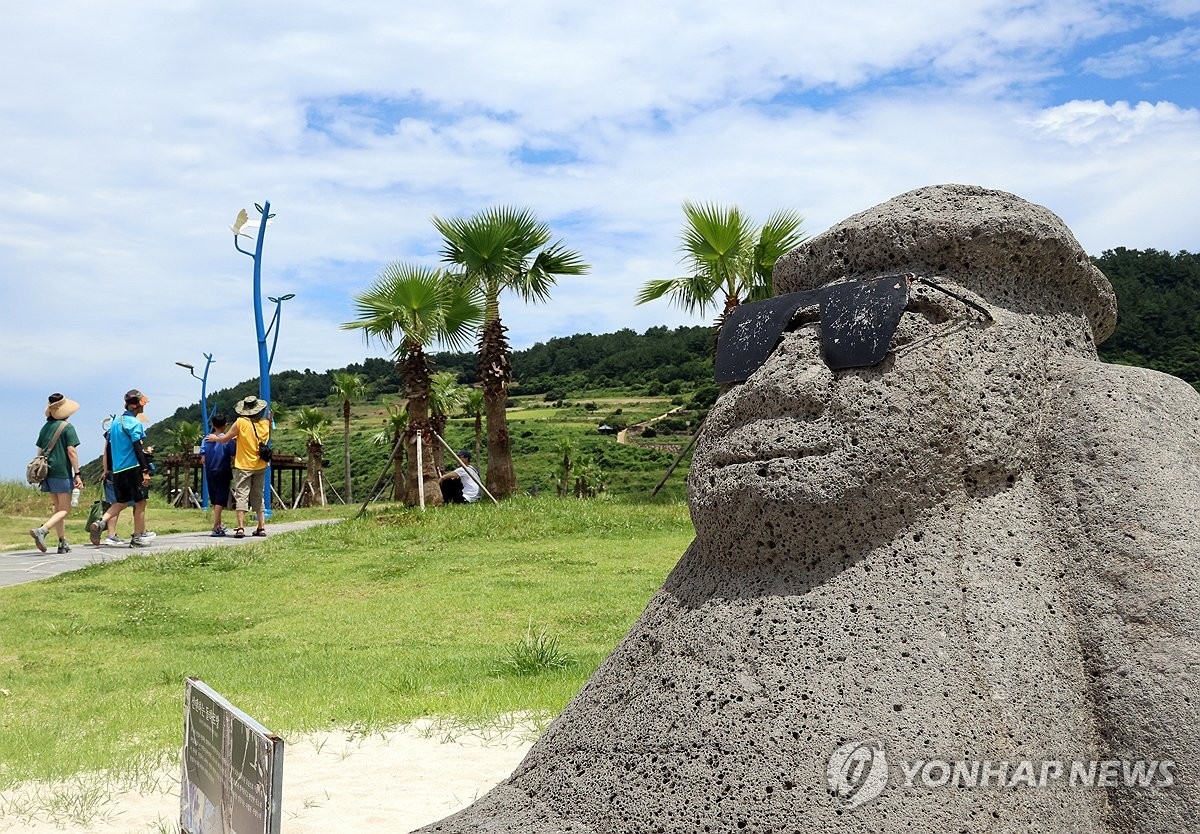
x=232 y=780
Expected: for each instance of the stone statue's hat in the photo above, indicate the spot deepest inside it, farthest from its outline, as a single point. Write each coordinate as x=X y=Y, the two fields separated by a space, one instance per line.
x=1012 y=252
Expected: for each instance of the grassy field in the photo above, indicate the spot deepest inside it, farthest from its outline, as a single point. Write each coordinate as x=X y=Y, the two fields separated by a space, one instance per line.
x=468 y=612
x=536 y=428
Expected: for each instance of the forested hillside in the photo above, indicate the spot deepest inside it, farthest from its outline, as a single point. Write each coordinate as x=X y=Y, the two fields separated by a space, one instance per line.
x=1158 y=310
x=566 y=388
x=1158 y=296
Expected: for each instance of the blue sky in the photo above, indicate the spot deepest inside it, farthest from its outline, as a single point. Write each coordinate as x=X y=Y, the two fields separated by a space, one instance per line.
x=132 y=133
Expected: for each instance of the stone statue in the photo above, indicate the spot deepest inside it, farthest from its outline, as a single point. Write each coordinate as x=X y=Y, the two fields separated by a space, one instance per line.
x=982 y=550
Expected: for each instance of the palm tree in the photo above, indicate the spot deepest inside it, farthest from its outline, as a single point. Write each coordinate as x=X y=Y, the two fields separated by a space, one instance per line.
x=312 y=423
x=445 y=396
x=347 y=387
x=410 y=307
x=728 y=263
x=280 y=413
x=185 y=437
x=474 y=408
x=394 y=426
x=503 y=248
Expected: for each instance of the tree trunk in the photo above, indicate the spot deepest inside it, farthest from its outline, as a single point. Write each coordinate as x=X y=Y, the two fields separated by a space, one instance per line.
x=495 y=373
x=346 y=450
x=311 y=495
x=398 y=470
x=416 y=376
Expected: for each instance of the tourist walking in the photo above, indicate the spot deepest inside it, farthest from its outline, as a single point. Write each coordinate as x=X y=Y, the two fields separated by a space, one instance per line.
x=58 y=440
x=252 y=431
x=130 y=470
x=217 y=459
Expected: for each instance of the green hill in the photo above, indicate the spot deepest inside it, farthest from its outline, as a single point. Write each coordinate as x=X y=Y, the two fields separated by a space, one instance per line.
x=566 y=388
x=1158 y=311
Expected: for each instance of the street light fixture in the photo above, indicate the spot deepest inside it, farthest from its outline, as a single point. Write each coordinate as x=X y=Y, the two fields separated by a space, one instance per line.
x=203 y=416
x=274 y=325
x=242 y=227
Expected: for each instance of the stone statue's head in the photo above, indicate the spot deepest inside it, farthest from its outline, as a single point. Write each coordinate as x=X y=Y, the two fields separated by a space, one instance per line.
x=802 y=452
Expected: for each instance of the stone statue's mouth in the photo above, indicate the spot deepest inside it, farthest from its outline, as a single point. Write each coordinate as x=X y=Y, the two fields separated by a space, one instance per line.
x=732 y=457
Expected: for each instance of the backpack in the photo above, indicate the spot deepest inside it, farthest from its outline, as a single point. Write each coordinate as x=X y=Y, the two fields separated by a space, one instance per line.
x=38 y=469
x=264 y=451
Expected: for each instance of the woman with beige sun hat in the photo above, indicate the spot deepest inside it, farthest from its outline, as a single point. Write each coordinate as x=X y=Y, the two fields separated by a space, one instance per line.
x=57 y=440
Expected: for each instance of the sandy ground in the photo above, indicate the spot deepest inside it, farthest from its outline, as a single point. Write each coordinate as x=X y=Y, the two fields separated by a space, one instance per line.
x=332 y=782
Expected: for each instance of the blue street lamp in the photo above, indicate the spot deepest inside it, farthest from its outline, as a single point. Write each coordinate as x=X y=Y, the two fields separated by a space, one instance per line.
x=203 y=417
x=240 y=229
x=274 y=325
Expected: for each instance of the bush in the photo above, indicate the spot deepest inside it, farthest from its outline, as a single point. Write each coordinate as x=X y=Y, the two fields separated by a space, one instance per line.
x=704 y=396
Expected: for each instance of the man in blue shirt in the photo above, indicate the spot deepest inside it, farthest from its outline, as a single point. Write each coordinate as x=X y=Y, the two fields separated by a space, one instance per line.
x=130 y=470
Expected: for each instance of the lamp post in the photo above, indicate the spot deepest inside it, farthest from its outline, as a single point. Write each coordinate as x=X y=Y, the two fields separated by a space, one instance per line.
x=241 y=228
x=274 y=325
x=203 y=417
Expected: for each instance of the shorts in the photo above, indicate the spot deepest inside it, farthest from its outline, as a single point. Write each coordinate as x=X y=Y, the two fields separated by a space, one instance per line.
x=127 y=487
x=248 y=485
x=218 y=488
x=58 y=486
x=110 y=494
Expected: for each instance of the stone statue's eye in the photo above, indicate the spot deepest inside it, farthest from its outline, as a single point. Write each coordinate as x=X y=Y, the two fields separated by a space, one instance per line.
x=858 y=320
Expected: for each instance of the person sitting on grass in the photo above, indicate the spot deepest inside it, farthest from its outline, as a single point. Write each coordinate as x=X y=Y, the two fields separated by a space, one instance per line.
x=461 y=486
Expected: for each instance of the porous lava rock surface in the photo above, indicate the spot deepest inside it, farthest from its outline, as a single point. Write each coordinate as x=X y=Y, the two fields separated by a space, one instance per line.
x=985 y=548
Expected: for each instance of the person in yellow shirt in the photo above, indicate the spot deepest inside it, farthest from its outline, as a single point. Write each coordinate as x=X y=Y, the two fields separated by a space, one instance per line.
x=251 y=430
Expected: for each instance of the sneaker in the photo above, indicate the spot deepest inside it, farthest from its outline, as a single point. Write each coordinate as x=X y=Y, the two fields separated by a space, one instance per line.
x=64 y=546
x=96 y=530
x=113 y=541
x=137 y=540
x=149 y=534
x=39 y=537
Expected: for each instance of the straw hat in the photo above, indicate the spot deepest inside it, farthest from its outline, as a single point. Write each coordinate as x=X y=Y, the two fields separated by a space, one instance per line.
x=60 y=408
x=250 y=406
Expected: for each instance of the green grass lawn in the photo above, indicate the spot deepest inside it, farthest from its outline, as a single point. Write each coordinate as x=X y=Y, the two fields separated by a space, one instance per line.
x=466 y=612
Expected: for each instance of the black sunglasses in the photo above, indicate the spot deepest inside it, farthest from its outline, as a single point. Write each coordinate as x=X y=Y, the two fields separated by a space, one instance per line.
x=858 y=319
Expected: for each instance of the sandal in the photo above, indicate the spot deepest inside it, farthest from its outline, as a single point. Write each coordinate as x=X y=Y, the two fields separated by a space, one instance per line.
x=239 y=533
x=261 y=531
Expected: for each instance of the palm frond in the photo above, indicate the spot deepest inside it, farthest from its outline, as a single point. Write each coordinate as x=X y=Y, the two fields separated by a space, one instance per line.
x=782 y=233
x=405 y=306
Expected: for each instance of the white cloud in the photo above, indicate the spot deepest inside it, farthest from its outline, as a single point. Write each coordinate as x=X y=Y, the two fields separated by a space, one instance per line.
x=1176 y=54
x=140 y=129
x=1097 y=123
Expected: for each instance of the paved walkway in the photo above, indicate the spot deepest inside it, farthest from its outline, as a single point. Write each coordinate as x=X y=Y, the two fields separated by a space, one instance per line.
x=19 y=566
